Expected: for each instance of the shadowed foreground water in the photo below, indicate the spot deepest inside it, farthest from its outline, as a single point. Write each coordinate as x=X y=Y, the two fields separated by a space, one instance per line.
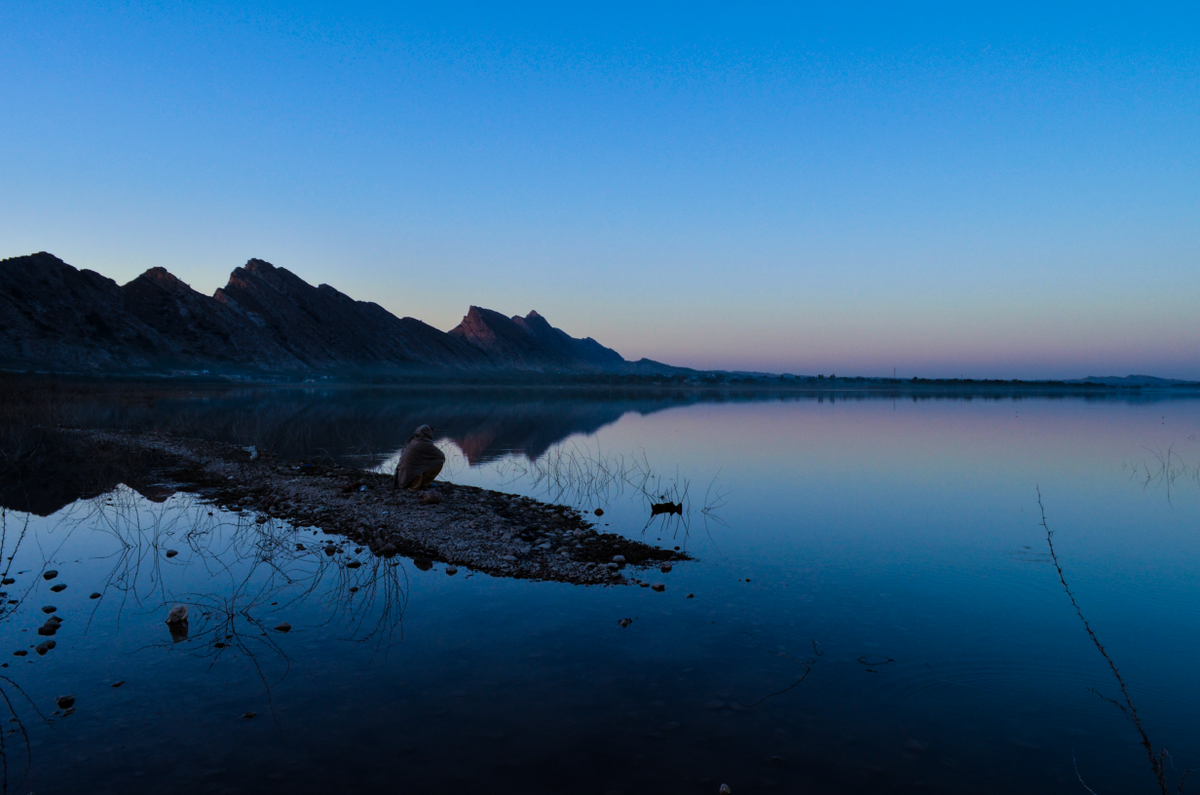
x=875 y=609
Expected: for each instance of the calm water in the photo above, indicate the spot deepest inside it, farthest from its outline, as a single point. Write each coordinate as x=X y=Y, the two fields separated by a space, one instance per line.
x=875 y=610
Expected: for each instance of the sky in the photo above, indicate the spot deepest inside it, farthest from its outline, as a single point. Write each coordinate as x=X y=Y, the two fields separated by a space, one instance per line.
x=946 y=190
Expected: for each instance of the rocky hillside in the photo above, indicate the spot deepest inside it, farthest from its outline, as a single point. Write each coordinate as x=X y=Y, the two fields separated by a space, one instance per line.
x=266 y=319
x=530 y=343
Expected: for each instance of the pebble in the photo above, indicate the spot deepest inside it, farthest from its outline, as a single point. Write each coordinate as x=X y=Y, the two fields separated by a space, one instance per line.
x=94 y=596
x=644 y=584
x=451 y=570
x=7 y=581
x=48 y=629
x=249 y=715
x=20 y=653
x=172 y=553
x=599 y=511
x=59 y=588
x=49 y=575
x=284 y=627
x=65 y=702
x=331 y=550
x=666 y=567
x=658 y=586
x=624 y=622
x=691 y=596
x=49 y=609
x=44 y=646
x=353 y=564
x=119 y=683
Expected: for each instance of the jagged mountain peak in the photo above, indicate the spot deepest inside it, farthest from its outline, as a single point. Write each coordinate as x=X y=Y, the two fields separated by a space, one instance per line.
x=531 y=343
x=265 y=318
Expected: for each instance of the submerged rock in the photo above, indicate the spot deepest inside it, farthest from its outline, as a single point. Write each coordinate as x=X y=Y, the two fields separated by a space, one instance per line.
x=44 y=647
x=65 y=702
x=172 y=553
x=49 y=575
x=59 y=588
x=284 y=627
x=95 y=595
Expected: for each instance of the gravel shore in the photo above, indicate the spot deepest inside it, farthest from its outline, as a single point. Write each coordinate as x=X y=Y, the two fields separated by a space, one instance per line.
x=501 y=534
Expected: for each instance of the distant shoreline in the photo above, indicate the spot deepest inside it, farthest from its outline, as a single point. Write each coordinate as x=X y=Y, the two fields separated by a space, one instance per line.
x=715 y=383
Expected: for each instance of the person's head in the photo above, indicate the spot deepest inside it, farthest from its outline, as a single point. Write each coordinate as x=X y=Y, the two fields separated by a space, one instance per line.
x=424 y=432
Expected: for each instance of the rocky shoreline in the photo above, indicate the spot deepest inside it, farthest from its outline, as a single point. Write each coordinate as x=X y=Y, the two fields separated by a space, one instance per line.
x=500 y=534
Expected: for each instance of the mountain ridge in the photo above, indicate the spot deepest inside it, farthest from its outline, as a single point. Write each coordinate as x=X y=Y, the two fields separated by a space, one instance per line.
x=264 y=320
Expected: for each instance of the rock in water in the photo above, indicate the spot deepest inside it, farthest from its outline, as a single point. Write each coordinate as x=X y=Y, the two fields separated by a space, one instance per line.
x=658 y=586
x=451 y=570
x=94 y=596
x=58 y=588
x=172 y=553
x=284 y=627
x=178 y=615
x=44 y=647
x=64 y=702
x=49 y=575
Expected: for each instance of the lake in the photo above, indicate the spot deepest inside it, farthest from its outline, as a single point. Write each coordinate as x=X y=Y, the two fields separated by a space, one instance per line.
x=873 y=607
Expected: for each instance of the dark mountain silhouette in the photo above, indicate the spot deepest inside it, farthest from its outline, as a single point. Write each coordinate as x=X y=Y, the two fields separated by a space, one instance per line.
x=530 y=343
x=266 y=320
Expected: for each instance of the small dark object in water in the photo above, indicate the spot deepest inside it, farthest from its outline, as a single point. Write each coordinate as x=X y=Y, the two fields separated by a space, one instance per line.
x=331 y=550
x=48 y=628
x=7 y=581
x=300 y=547
x=119 y=683
x=20 y=653
x=59 y=588
x=49 y=575
x=94 y=596
x=353 y=564
x=451 y=570
x=624 y=622
x=44 y=646
x=666 y=507
x=65 y=702
x=172 y=553
x=666 y=567
x=599 y=511
x=49 y=609
x=424 y=564
x=284 y=627
x=691 y=596
x=658 y=586
x=249 y=714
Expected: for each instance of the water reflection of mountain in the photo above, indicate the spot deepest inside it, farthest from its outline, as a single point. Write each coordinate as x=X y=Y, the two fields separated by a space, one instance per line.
x=41 y=471
x=358 y=427
x=371 y=425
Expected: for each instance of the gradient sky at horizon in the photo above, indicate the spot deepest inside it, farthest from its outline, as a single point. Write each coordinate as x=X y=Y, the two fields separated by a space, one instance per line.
x=944 y=190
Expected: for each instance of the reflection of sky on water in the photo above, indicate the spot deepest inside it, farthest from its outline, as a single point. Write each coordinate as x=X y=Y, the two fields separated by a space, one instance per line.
x=905 y=532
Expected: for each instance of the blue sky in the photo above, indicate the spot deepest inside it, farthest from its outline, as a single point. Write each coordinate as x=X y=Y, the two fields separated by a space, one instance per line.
x=1011 y=192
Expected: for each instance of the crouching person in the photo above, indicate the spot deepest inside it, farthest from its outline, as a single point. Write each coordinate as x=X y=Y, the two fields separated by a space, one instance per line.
x=420 y=462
